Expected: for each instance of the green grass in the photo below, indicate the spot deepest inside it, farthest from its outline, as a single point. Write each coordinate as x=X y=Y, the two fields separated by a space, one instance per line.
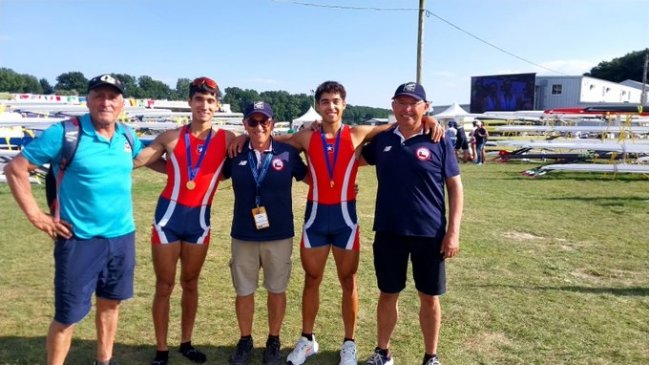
x=551 y=270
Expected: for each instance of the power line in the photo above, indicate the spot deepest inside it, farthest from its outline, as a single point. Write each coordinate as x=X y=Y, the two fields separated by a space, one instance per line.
x=428 y=14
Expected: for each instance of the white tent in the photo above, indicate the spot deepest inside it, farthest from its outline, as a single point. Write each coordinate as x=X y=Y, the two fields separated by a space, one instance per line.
x=454 y=111
x=308 y=117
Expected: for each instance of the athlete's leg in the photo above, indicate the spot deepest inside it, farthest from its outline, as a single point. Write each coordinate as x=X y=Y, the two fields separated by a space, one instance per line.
x=192 y=257
x=106 y=320
x=165 y=259
x=430 y=319
x=313 y=263
x=346 y=267
x=59 y=338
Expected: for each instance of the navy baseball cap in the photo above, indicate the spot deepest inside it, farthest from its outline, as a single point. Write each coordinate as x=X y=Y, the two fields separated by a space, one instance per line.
x=412 y=89
x=105 y=80
x=258 y=107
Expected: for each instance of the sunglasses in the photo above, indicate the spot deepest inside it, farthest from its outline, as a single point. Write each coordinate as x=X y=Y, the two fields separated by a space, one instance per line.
x=204 y=82
x=254 y=122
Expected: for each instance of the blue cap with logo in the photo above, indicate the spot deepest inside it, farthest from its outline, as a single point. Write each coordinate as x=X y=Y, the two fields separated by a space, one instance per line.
x=105 y=80
x=258 y=107
x=411 y=89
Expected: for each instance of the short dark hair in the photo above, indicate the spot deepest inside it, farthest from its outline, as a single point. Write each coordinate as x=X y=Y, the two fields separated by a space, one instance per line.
x=204 y=85
x=331 y=87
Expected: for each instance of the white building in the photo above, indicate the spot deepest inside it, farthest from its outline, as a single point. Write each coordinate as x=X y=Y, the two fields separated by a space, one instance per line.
x=568 y=91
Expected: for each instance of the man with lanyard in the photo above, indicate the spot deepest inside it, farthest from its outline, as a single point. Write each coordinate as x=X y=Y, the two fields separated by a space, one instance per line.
x=262 y=227
x=94 y=248
x=181 y=229
x=410 y=220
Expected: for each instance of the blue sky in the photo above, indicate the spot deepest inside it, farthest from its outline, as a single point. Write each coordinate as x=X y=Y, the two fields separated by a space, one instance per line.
x=283 y=45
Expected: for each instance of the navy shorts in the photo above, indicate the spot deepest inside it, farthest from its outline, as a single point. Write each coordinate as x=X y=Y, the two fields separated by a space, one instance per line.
x=391 y=253
x=174 y=222
x=331 y=224
x=103 y=266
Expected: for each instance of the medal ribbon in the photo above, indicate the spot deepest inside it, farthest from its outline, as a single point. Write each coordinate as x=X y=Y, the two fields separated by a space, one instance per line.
x=259 y=175
x=330 y=167
x=192 y=171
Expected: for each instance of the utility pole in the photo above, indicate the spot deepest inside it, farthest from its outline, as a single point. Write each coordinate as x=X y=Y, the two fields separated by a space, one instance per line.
x=420 y=38
x=643 y=95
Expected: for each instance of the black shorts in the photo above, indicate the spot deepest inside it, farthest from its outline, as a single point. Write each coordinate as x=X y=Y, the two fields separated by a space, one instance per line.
x=391 y=253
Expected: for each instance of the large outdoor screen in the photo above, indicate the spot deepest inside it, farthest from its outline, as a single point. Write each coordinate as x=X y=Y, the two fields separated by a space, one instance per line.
x=502 y=93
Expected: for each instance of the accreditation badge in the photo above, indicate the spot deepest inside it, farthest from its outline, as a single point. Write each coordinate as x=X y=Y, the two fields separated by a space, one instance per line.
x=261 y=218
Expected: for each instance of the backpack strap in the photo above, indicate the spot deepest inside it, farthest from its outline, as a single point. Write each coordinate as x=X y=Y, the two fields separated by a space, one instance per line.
x=71 y=134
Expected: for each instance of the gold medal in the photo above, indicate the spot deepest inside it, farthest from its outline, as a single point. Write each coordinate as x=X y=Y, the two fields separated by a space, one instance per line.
x=191 y=185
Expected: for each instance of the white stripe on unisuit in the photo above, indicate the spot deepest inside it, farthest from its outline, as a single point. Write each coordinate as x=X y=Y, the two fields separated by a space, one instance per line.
x=172 y=202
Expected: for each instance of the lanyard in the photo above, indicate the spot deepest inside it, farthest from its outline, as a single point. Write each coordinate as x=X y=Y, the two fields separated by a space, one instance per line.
x=192 y=171
x=331 y=167
x=259 y=175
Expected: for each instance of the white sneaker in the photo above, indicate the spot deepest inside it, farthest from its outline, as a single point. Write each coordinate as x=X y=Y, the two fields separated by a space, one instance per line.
x=348 y=353
x=303 y=349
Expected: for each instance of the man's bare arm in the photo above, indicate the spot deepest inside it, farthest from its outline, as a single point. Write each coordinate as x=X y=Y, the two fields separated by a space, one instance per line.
x=451 y=241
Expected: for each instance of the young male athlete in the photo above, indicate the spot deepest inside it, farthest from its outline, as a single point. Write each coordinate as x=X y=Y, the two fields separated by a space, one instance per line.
x=181 y=228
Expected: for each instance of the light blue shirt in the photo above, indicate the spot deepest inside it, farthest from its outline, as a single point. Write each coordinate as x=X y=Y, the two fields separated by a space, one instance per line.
x=95 y=193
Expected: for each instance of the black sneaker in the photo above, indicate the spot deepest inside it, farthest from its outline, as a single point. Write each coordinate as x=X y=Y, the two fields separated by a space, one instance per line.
x=110 y=362
x=271 y=352
x=433 y=361
x=243 y=353
x=379 y=359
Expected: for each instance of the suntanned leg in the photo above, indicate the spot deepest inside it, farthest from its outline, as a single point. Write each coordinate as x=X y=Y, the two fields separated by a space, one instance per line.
x=430 y=320
x=313 y=263
x=106 y=323
x=276 y=309
x=59 y=338
x=347 y=266
x=165 y=259
x=192 y=257
x=245 y=308
x=387 y=313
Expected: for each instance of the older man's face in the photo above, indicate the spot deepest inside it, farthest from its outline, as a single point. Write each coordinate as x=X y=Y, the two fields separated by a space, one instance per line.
x=105 y=104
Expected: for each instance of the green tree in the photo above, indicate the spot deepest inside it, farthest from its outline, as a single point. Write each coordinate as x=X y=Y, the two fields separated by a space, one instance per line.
x=11 y=81
x=71 y=81
x=239 y=98
x=47 y=88
x=31 y=84
x=182 y=88
x=154 y=89
x=630 y=66
x=131 y=88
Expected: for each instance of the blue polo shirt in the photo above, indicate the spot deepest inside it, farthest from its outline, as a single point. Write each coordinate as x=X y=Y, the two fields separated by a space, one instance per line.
x=95 y=193
x=411 y=176
x=275 y=193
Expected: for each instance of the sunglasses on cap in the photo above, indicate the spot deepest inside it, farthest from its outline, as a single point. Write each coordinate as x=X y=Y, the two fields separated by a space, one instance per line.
x=204 y=82
x=254 y=122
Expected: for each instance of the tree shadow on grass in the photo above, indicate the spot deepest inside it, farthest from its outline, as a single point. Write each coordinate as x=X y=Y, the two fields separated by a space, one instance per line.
x=31 y=351
x=630 y=291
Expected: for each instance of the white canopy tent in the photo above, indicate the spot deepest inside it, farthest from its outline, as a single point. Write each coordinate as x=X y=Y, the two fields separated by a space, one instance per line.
x=454 y=111
x=308 y=117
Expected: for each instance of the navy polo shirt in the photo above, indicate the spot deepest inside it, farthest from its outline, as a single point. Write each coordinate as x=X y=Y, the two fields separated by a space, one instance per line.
x=275 y=193
x=411 y=176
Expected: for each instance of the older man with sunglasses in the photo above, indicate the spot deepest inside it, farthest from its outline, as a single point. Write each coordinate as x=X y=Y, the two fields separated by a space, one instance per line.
x=262 y=227
x=181 y=229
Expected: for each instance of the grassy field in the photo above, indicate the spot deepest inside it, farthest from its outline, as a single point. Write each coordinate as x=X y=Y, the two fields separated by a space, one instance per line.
x=553 y=270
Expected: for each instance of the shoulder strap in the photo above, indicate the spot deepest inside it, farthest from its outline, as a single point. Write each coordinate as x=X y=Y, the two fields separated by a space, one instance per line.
x=127 y=133
x=71 y=134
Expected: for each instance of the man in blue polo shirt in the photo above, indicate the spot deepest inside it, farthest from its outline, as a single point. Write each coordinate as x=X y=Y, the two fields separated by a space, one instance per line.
x=410 y=219
x=262 y=227
x=93 y=227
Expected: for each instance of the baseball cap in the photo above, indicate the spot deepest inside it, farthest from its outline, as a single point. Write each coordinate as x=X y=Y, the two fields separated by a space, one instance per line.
x=107 y=80
x=412 y=89
x=258 y=107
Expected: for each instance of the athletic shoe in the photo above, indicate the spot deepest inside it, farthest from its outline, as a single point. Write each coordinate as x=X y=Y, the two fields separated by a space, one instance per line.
x=271 y=352
x=348 y=353
x=242 y=354
x=432 y=361
x=303 y=349
x=378 y=359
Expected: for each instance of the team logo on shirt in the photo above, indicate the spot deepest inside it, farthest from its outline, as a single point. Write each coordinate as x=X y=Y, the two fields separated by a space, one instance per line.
x=277 y=164
x=127 y=147
x=199 y=148
x=243 y=163
x=330 y=147
x=423 y=153
x=387 y=148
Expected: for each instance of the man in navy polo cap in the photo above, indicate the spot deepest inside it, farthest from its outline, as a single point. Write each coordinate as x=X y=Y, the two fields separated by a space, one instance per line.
x=92 y=225
x=410 y=219
x=262 y=227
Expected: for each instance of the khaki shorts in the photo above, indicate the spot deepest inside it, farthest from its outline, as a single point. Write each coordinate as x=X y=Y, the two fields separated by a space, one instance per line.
x=249 y=256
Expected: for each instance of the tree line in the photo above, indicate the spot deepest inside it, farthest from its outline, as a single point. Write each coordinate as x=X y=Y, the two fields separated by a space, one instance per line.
x=286 y=106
